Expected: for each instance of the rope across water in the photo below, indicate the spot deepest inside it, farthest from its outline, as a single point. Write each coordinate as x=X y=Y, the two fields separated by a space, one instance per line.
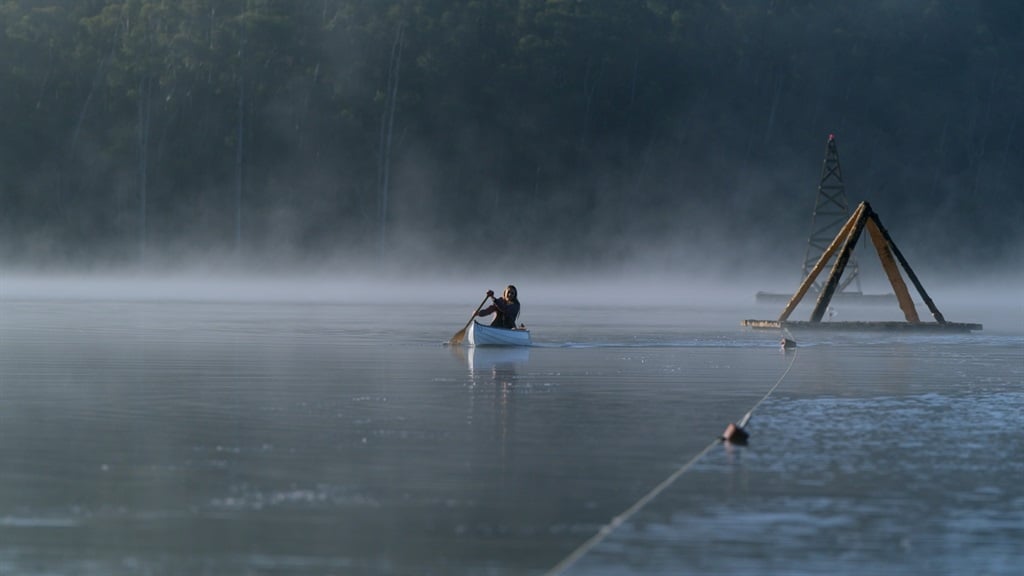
x=615 y=522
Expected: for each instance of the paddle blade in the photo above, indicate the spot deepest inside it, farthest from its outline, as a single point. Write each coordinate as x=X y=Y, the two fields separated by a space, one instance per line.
x=458 y=338
x=461 y=334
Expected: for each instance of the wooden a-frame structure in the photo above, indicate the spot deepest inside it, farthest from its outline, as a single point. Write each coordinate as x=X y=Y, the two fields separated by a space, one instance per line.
x=889 y=255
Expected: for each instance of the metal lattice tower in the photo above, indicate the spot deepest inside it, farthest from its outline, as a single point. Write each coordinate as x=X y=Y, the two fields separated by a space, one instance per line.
x=831 y=210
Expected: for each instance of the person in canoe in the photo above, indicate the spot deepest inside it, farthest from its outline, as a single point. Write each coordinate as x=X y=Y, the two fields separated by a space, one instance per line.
x=505 y=308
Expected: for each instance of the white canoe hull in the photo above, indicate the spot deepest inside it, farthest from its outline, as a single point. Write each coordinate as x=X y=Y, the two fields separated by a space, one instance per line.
x=480 y=335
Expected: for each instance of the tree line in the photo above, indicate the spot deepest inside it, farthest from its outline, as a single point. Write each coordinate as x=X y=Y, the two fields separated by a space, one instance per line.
x=584 y=131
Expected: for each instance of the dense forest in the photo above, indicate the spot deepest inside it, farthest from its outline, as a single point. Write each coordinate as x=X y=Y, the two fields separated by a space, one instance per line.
x=496 y=132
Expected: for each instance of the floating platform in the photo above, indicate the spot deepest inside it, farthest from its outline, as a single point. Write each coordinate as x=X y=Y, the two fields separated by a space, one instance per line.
x=864 y=218
x=869 y=326
x=853 y=298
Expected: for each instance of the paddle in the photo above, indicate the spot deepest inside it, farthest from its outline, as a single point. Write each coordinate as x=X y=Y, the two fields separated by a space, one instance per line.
x=457 y=338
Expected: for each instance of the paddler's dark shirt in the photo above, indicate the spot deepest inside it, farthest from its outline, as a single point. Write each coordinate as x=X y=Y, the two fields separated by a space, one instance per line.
x=505 y=313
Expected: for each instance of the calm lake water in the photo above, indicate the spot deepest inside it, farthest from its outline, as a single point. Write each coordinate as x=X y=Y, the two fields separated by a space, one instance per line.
x=276 y=437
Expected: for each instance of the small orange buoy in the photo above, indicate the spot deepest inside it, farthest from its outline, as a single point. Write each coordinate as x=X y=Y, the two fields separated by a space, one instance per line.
x=735 y=435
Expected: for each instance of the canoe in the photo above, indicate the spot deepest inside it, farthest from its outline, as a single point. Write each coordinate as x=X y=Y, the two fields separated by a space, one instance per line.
x=481 y=335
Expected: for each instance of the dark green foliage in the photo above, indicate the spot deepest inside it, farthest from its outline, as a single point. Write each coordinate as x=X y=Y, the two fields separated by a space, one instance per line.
x=574 y=130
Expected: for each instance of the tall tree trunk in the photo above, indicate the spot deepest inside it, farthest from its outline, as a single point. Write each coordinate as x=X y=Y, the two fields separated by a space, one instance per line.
x=145 y=86
x=777 y=81
x=240 y=144
x=589 y=87
x=386 y=130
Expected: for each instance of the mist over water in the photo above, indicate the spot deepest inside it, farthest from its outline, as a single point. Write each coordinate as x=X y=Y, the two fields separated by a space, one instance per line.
x=995 y=300
x=316 y=423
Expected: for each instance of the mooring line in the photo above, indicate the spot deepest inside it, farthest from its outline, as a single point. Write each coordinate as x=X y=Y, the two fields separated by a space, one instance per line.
x=617 y=521
x=746 y=417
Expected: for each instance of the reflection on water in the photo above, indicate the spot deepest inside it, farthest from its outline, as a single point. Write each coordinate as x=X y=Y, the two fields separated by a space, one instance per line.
x=497 y=367
x=497 y=360
x=219 y=438
x=493 y=373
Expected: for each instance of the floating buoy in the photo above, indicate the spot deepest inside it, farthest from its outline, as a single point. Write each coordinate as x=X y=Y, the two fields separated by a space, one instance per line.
x=735 y=435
